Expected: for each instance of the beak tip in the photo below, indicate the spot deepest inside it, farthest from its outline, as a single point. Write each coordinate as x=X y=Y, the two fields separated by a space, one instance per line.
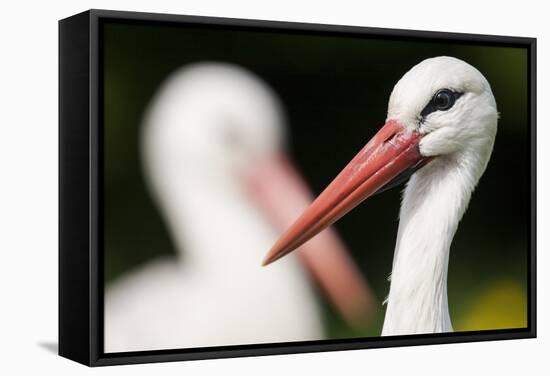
x=268 y=259
x=274 y=254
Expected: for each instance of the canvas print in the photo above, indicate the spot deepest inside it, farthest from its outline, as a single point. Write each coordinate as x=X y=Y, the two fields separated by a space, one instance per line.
x=264 y=187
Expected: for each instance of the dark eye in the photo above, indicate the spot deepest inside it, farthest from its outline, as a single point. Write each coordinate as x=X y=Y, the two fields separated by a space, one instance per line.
x=443 y=100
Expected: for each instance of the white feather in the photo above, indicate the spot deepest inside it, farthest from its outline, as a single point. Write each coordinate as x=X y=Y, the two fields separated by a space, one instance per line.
x=219 y=294
x=436 y=197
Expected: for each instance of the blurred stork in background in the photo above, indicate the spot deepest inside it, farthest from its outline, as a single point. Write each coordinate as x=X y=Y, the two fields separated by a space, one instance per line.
x=212 y=147
x=440 y=128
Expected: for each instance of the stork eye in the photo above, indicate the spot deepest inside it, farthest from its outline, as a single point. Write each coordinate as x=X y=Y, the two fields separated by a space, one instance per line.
x=443 y=100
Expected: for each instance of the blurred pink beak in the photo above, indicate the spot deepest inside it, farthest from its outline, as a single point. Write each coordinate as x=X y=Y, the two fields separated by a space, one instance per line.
x=391 y=152
x=278 y=189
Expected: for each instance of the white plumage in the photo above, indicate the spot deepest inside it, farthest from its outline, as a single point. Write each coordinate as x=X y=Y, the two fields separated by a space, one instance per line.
x=209 y=122
x=441 y=126
x=460 y=140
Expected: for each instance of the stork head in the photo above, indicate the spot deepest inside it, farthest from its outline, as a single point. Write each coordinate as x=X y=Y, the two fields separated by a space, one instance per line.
x=441 y=108
x=211 y=120
x=449 y=103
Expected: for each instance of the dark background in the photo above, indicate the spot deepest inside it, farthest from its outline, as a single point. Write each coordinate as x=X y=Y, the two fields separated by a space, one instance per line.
x=335 y=92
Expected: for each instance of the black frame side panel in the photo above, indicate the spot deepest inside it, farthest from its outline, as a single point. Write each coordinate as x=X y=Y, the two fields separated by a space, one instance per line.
x=74 y=188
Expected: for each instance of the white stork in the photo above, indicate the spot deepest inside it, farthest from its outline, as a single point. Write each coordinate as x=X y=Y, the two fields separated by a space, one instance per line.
x=213 y=157
x=440 y=127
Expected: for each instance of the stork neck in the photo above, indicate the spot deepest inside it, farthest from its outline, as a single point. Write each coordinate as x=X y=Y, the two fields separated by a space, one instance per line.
x=208 y=217
x=433 y=203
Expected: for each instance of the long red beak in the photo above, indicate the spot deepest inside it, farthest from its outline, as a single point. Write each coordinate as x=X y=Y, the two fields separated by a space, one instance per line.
x=390 y=153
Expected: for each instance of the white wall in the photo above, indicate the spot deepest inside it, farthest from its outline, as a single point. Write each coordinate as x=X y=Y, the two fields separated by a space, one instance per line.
x=28 y=184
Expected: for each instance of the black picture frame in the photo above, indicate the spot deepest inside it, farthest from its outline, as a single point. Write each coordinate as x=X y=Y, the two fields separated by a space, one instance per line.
x=80 y=193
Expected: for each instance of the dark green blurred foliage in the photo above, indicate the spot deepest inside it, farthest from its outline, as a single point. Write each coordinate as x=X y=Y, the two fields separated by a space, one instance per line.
x=335 y=92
